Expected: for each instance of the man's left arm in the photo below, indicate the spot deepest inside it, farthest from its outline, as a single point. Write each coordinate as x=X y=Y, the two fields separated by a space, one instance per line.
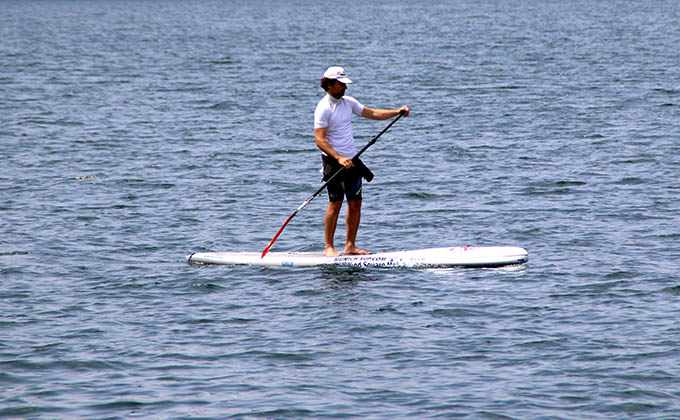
x=383 y=114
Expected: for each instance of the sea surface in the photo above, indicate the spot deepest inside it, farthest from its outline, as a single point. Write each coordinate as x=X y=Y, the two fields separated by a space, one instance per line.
x=133 y=133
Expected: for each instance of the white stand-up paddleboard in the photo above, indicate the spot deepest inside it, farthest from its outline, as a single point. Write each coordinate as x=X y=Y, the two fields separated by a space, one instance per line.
x=459 y=256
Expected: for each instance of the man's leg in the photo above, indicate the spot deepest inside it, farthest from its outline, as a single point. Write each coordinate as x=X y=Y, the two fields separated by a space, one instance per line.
x=353 y=219
x=330 y=222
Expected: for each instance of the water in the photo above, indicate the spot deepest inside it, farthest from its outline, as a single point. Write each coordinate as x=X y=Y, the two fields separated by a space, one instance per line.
x=134 y=133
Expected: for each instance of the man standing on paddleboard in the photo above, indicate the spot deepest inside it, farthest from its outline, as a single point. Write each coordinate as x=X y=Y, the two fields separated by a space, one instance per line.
x=334 y=136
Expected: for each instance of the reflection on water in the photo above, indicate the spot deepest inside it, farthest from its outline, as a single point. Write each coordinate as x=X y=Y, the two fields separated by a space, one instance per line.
x=346 y=277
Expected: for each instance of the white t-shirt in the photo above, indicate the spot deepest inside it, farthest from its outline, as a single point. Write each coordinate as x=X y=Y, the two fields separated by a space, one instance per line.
x=336 y=116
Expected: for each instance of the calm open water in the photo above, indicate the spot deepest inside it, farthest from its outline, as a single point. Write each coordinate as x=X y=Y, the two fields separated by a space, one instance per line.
x=135 y=132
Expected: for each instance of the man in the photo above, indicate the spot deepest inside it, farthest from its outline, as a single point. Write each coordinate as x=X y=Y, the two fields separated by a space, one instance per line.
x=333 y=134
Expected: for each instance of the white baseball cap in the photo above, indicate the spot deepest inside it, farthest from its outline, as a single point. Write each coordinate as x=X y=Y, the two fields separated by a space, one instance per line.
x=337 y=73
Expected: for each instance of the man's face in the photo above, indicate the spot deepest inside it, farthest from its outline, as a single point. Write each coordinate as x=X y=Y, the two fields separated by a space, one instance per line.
x=336 y=89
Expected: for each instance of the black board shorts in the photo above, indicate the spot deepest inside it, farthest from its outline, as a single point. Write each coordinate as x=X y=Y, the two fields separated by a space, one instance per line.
x=346 y=184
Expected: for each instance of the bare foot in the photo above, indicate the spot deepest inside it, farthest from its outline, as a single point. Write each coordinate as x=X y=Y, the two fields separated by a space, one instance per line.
x=356 y=251
x=331 y=252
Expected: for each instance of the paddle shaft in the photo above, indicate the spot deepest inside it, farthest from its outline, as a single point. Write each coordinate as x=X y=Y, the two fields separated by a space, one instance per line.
x=325 y=184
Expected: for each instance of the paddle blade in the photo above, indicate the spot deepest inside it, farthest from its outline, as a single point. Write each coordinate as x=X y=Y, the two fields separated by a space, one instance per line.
x=275 y=237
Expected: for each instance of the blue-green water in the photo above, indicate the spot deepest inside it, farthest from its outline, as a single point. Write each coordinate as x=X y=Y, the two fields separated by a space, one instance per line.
x=134 y=133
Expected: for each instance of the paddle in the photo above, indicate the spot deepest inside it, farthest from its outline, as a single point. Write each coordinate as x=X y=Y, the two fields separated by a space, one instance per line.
x=321 y=188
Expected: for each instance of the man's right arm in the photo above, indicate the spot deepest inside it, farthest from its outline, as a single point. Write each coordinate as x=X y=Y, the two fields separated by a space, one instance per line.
x=323 y=144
